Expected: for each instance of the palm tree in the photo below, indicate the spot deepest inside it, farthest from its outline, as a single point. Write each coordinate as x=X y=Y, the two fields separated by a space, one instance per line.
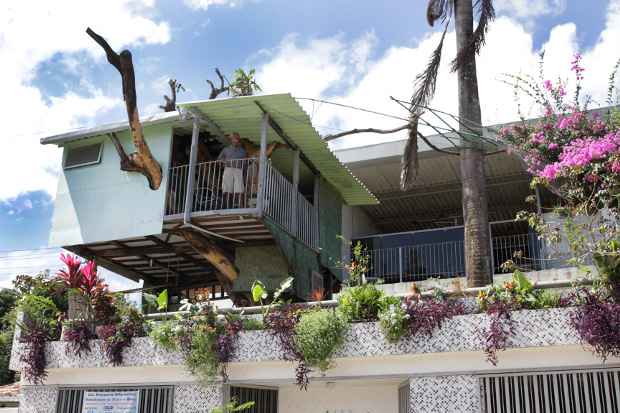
x=244 y=83
x=474 y=198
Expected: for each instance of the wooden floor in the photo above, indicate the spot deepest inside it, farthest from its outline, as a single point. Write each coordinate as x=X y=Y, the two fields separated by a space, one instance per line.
x=241 y=228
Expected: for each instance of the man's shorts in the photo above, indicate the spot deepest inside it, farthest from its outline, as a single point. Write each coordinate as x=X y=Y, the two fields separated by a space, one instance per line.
x=232 y=180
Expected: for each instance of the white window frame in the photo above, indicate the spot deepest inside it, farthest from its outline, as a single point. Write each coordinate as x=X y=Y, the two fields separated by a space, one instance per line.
x=79 y=165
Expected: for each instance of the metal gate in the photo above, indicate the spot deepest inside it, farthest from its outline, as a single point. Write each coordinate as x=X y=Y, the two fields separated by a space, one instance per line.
x=592 y=391
x=153 y=399
x=265 y=399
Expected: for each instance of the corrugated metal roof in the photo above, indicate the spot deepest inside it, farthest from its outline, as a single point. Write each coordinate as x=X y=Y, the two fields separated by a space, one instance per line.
x=244 y=116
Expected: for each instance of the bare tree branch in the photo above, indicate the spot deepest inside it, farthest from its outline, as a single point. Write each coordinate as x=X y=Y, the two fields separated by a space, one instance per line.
x=171 y=102
x=142 y=160
x=366 y=130
x=216 y=91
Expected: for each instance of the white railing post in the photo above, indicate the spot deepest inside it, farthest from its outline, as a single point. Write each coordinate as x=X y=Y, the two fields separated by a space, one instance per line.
x=295 y=209
x=315 y=227
x=400 y=264
x=262 y=165
x=193 y=156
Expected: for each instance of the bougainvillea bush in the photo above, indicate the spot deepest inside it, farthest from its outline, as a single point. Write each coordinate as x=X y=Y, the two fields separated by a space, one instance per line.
x=575 y=153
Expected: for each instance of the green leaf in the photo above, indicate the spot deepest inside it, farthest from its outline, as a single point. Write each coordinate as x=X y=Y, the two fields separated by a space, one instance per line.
x=521 y=281
x=258 y=291
x=162 y=300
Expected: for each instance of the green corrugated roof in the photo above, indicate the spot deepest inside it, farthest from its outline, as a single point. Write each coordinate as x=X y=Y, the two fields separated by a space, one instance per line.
x=244 y=116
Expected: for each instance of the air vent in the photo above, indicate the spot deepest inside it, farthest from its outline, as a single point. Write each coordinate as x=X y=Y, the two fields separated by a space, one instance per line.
x=83 y=155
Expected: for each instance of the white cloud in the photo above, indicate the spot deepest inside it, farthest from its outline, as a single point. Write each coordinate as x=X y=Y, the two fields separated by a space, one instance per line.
x=32 y=32
x=205 y=4
x=322 y=66
x=530 y=8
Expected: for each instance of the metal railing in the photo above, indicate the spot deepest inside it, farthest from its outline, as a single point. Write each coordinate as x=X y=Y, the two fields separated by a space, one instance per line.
x=219 y=185
x=280 y=201
x=234 y=184
x=447 y=259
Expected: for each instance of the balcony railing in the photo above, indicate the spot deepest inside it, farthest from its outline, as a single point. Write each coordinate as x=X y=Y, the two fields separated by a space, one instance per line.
x=214 y=191
x=447 y=259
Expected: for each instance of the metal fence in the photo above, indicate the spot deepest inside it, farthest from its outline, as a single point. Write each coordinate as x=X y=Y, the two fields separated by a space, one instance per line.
x=447 y=259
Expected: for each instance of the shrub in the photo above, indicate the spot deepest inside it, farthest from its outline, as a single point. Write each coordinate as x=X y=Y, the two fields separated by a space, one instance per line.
x=393 y=318
x=597 y=321
x=318 y=334
x=360 y=303
x=428 y=314
x=77 y=334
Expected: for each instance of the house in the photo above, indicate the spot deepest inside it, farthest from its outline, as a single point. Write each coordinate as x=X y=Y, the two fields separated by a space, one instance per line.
x=189 y=235
x=411 y=236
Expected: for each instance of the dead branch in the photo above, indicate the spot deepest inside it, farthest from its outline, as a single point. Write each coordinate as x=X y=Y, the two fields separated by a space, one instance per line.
x=366 y=130
x=142 y=160
x=216 y=91
x=171 y=102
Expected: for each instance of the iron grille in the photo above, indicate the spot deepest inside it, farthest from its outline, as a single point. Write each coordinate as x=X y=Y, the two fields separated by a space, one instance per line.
x=403 y=398
x=595 y=391
x=153 y=399
x=265 y=400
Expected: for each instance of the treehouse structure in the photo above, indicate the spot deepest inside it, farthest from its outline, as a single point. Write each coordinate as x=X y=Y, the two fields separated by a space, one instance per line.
x=188 y=235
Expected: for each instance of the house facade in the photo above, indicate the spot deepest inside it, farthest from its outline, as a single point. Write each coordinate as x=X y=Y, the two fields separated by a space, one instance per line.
x=300 y=201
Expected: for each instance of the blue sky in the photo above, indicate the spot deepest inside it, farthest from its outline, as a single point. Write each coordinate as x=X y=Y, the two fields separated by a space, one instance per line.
x=349 y=51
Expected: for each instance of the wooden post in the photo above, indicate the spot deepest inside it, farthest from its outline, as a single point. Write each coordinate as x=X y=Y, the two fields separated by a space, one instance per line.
x=191 y=175
x=262 y=165
x=295 y=213
x=317 y=182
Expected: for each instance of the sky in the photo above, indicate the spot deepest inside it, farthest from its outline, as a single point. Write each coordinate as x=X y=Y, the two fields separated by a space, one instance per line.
x=356 y=52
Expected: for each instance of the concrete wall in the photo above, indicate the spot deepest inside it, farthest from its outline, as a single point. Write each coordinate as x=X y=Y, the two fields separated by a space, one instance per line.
x=101 y=203
x=359 y=396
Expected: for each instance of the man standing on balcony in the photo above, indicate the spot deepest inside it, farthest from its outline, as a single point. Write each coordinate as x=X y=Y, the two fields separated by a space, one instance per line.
x=232 y=180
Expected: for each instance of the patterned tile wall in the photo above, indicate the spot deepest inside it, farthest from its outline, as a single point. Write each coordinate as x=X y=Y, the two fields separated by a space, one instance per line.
x=445 y=394
x=195 y=398
x=534 y=328
x=38 y=399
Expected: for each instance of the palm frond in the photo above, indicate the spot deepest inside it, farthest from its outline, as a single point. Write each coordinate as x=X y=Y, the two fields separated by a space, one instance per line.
x=425 y=82
x=410 y=163
x=487 y=15
x=438 y=10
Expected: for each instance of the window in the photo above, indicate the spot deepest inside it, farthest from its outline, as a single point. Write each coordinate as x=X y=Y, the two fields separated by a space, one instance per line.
x=559 y=392
x=83 y=155
x=153 y=399
x=265 y=399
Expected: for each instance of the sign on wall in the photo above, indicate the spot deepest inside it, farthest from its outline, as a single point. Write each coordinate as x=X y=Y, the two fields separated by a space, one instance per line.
x=121 y=401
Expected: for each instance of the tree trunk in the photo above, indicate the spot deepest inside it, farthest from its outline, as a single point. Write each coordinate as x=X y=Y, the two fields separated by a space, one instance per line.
x=225 y=270
x=475 y=207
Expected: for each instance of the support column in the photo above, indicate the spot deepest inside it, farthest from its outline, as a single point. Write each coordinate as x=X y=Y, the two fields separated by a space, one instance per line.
x=191 y=172
x=262 y=165
x=294 y=212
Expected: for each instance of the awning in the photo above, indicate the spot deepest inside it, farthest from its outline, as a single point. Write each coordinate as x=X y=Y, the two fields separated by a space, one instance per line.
x=244 y=115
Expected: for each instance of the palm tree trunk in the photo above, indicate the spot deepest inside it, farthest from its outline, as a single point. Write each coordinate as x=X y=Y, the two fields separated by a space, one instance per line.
x=475 y=208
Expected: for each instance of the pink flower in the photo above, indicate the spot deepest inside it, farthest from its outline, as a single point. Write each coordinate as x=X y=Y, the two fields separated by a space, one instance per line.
x=563 y=123
x=553 y=146
x=548 y=85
